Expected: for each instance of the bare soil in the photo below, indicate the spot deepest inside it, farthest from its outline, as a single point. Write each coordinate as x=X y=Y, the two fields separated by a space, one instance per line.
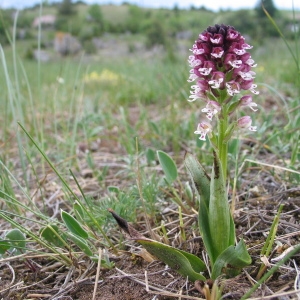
x=138 y=276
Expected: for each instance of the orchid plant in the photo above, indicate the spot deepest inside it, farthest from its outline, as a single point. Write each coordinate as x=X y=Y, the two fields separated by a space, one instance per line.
x=221 y=68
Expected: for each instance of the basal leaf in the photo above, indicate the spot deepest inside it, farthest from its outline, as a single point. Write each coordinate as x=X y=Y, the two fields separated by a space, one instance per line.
x=17 y=239
x=50 y=233
x=81 y=243
x=182 y=262
x=202 y=186
x=168 y=165
x=186 y=264
x=150 y=155
x=231 y=261
x=113 y=189
x=78 y=211
x=73 y=225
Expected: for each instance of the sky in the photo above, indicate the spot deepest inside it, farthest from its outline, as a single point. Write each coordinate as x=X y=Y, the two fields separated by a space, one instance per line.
x=210 y=4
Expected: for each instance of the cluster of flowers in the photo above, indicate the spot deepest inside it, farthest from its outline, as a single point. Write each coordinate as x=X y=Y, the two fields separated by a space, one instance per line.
x=221 y=67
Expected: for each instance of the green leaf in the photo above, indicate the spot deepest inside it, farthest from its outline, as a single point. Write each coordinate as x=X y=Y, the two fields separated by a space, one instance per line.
x=188 y=191
x=81 y=243
x=73 y=225
x=168 y=165
x=200 y=178
x=17 y=239
x=4 y=246
x=104 y=263
x=51 y=234
x=154 y=127
x=219 y=217
x=96 y=130
x=186 y=264
x=266 y=250
x=183 y=262
x=113 y=189
x=150 y=155
x=229 y=132
x=233 y=107
x=231 y=261
x=78 y=211
x=201 y=183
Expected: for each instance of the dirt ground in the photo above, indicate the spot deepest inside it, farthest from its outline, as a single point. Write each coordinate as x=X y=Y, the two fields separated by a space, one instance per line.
x=138 y=276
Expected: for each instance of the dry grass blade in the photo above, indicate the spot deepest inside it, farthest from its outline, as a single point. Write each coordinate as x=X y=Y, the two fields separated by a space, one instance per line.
x=155 y=290
x=270 y=166
x=98 y=273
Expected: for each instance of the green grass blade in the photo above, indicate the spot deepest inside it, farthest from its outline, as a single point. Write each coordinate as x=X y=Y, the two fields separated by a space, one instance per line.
x=36 y=238
x=48 y=161
x=266 y=250
x=281 y=35
x=91 y=216
x=271 y=271
x=4 y=246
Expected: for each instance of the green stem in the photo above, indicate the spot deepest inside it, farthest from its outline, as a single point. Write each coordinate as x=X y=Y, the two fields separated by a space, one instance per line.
x=222 y=144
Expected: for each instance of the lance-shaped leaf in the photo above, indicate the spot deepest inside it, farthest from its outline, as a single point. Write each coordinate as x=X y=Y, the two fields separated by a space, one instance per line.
x=220 y=220
x=78 y=211
x=73 y=225
x=186 y=264
x=202 y=186
x=231 y=261
x=168 y=165
x=200 y=178
x=81 y=243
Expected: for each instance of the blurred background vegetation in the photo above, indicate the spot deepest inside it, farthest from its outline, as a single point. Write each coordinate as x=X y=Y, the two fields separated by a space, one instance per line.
x=128 y=56
x=158 y=26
